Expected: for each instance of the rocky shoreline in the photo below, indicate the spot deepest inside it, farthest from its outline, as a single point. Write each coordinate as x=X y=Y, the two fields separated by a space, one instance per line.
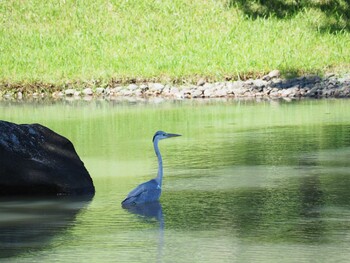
x=269 y=86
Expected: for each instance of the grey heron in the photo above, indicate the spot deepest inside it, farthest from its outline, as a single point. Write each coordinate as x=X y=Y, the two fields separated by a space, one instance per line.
x=151 y=190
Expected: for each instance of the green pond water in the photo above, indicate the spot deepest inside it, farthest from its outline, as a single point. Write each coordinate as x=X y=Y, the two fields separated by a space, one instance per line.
x=247 y=181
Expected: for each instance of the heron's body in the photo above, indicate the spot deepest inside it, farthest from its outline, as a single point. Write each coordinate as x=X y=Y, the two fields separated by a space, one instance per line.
x=150 y=191
x=147 y=192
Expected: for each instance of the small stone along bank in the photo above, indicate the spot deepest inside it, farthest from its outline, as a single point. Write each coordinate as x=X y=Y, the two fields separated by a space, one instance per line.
x=269 y=86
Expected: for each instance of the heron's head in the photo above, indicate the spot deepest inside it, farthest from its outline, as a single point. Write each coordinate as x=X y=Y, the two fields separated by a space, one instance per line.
x=160 y=135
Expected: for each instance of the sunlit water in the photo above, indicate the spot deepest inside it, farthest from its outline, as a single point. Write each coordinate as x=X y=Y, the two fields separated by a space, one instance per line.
x=247 y=182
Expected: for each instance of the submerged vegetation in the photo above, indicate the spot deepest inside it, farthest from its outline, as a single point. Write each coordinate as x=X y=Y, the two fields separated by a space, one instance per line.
x=60 y=42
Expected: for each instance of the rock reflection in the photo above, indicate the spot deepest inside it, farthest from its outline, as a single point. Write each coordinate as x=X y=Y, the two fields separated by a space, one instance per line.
x=28 y=224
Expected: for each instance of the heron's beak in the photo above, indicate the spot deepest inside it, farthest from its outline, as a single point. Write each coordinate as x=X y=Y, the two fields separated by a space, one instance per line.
x=169 y=135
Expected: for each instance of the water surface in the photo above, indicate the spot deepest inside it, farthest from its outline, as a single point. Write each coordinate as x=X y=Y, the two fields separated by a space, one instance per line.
x=247 y=182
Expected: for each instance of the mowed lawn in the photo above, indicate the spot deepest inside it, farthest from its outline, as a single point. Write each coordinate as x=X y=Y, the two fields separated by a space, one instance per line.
x=66 y=40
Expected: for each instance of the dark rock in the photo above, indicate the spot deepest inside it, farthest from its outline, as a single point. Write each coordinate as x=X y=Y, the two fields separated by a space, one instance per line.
x=34 y=160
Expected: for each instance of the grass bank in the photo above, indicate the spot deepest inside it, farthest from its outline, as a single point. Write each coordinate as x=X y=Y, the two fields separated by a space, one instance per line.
x=66 y=40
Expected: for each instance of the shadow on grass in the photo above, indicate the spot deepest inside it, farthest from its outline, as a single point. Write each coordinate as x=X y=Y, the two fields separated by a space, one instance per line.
x=337 y=12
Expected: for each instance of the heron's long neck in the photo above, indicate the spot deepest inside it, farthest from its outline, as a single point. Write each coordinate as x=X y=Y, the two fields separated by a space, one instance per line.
x=159 y=177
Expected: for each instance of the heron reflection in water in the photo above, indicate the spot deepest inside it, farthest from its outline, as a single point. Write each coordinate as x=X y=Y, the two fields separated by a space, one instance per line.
x=150 y=191
x=147 y=212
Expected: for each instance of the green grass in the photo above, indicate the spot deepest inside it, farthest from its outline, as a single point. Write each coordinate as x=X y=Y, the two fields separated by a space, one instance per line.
x=66 y=40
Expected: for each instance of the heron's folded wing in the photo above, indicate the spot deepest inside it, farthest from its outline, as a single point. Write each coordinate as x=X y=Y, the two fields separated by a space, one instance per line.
x=137 y=191
x=146 y=190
